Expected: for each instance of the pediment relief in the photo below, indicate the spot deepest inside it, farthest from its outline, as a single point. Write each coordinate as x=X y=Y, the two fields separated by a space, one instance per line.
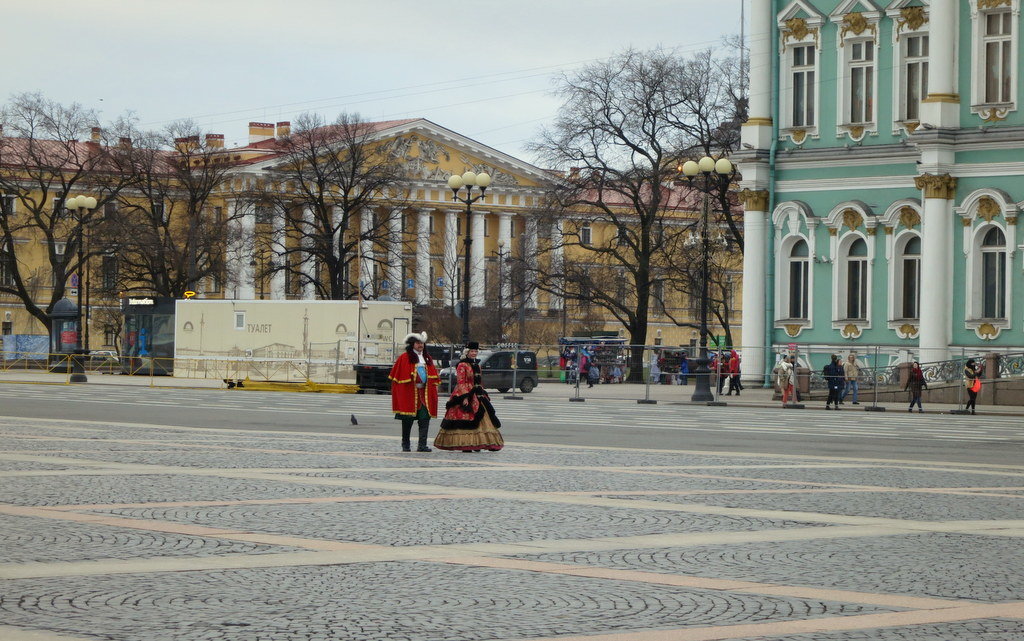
x=428 y=159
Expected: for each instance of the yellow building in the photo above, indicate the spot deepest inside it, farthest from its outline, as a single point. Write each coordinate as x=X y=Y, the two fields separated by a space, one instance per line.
x=408 y=241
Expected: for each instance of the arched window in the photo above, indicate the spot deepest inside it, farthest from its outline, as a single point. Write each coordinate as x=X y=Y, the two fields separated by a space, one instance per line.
x=799 y=266
x=857 y=281
x=910 y=278
x=993 y=274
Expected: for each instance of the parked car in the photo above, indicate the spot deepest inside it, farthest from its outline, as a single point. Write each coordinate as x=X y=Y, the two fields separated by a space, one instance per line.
x=497 y=372
x=103 y=360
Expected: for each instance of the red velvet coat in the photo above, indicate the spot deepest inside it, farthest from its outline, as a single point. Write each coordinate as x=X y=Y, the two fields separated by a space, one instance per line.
x=406 y=399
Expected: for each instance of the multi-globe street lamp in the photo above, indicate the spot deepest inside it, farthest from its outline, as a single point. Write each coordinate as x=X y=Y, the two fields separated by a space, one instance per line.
x=456 y=183
x=706 y=175
x=81 y=205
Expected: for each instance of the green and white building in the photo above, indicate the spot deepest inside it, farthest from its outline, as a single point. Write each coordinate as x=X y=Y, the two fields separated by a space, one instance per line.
x=883 y=175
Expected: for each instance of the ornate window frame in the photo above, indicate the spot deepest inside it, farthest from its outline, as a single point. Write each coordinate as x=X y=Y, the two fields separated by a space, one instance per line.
x=902 y=220
x=981 y=211
x=857 y=218
x=799 y=30
x=857 y=22
x=793 y=221
x=980 y=9
x=908 y=22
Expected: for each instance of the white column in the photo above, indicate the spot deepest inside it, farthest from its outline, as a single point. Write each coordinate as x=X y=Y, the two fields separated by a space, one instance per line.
x=476 y=261
x=395 y=258
x=308 y=257
x=423 y=284
x=505 y=245
x=242 y=243
x=757 y=130
x=366 y=284
x=451 y=257
x=755 y=230
x=530 y=247
x=936 y=266
x=942 y=106
x=555 y=301
x=277 y=279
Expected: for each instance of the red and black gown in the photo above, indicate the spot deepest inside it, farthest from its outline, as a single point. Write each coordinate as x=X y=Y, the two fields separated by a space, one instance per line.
x=469 y=422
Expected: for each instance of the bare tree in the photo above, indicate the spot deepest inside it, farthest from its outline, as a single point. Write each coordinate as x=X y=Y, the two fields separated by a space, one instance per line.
x=167 y=235
x=330 y=175
x=48 y=153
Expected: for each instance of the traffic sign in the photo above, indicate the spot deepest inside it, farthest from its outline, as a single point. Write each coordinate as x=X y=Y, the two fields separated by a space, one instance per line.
x=440 y=282
x=385 y=284
x=74 y=280
x=410 y=284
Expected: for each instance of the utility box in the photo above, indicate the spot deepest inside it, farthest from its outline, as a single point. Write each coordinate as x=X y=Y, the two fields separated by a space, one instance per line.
x=321 y=341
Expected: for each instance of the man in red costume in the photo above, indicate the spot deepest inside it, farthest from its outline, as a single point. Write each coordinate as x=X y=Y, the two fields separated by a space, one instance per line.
x=414 y=381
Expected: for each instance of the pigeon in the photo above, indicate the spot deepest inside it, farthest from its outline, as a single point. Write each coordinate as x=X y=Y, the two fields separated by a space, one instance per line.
x=354 y=421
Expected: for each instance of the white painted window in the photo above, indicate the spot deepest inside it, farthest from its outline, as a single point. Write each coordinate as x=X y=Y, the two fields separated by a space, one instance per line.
x=993 y=274
x=998 y=51
x=239 y=320
x=857 y=281
x=798 y=285
x=862 y=81
x=914 y=76
x=803 y=70
x=909 y=279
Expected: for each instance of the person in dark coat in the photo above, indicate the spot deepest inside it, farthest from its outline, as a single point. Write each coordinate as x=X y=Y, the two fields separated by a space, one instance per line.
x=834 y=375
x=915 y=383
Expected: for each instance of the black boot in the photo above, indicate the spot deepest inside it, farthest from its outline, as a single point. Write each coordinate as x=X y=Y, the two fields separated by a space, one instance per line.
x=406 y=433
x=424 y=425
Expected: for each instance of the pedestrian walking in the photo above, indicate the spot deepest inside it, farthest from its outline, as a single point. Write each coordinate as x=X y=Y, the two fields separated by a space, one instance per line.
x=972 y=381
x=734 y=373
x=851 y=372
x=834 y=374
x=720 y=367
x=915 y=383
x=414 y=381
x=684 y=370
x=783 y=373
x=469 y=424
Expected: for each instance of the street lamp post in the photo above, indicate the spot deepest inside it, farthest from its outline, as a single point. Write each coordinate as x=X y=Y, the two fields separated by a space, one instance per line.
x=81 y=205
x=501 y=290
x=456 y=183
x=713 y=175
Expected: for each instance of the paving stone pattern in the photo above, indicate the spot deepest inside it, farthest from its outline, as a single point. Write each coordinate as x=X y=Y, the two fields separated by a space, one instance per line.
x=885 y=477
x=894 y=505
x=28 y=539
x=977 y=630
x=148 y=488
x=422 y=601
x=434 y=522
x=960 y=566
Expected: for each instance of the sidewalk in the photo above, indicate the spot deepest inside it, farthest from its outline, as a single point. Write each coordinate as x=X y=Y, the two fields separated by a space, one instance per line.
x=673 y=394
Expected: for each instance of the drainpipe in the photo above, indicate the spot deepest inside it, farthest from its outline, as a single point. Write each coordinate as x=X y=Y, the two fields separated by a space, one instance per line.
x=769 y=237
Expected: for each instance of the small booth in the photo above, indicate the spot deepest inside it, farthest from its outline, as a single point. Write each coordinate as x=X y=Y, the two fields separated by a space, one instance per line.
x=147 y=344
x=63 y=336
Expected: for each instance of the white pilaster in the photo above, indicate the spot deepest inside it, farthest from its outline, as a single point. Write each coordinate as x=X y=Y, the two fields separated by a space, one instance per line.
x=277 y=279
x=755 y=229
x=505 y=250
x=757 y=130
x=394 y=270
x=308 y=257
x=423 y=284
x=936 y=279
x=557 y=261
x=530 y=247
x=476 y=282
x=942 y=106
x=366 y=284
x=451 y=257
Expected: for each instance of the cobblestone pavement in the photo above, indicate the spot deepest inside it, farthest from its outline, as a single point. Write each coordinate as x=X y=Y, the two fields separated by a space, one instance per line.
x=138 y=533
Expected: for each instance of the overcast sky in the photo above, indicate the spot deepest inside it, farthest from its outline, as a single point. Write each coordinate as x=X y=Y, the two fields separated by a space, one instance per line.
x=482 y=68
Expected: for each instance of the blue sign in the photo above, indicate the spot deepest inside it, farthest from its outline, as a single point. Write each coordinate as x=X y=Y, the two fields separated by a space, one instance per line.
x=410 y=284
x=440 y=282
x=74 y=280
x=385 y=284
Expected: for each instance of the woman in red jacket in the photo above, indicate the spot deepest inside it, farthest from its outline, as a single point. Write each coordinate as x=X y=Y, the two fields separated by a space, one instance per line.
x=414 y=381
x=470 y=424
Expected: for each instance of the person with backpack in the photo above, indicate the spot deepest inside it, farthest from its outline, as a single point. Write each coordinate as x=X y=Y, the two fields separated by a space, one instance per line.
x=915 y=383
x=834 y=375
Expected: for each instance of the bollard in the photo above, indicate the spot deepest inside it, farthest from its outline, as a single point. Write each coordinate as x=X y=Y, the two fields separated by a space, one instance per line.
x=577 y=398
x=716 y=392
x=646 y=400
x=515 y=371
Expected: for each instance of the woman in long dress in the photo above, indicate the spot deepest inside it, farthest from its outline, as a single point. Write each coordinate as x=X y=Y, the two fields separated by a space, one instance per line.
x=469 y=424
